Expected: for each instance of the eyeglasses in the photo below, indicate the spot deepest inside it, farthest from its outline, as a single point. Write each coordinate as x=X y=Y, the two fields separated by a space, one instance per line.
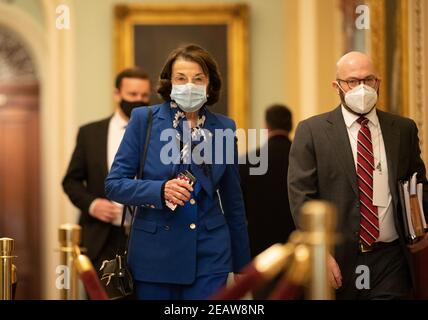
x=181 y=79
x=353 y=83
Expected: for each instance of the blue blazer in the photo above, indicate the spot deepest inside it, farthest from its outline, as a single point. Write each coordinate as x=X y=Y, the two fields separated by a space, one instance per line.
x=206 y=236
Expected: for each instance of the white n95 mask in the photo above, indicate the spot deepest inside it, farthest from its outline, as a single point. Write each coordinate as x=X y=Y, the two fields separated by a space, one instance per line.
x=361 y=99
x=189 y=97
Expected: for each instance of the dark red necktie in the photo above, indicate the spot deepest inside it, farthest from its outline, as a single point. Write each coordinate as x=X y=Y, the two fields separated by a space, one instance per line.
x=369 y=221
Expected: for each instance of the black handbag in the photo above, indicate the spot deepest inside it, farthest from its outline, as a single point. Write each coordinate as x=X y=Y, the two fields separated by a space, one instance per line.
x=114 y=274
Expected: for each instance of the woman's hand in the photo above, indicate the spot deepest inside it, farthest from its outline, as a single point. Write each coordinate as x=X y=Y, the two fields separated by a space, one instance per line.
x=177 y=191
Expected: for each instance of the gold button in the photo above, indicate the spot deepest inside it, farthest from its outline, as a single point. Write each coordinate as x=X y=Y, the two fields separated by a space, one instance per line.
x=193 y=226
x=192 y=201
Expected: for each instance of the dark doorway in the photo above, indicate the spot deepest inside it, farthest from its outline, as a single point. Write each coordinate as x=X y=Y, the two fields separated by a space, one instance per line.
x=20 y=216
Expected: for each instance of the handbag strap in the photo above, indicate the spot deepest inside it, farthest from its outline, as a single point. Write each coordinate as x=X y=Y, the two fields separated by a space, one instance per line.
x=146 y=143
x=132 y=209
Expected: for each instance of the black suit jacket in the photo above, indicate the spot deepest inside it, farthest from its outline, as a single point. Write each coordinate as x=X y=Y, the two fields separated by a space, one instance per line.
x=266 y=199
x=84 y=182
x=322 y=167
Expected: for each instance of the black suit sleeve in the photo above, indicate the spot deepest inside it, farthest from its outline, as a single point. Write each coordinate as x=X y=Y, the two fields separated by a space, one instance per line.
x=417 y=165
x=302 y=171
x=74 y=182
x=243 y=170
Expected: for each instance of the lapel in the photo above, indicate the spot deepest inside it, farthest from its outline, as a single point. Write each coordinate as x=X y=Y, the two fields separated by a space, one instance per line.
x=211 y=124
x=162 y=121
x=339 y=139
x=164 y=117
x=102 y=144
x=391 y=139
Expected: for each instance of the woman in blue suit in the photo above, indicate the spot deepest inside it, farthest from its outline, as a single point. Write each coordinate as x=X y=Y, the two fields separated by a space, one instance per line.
x=188 y=252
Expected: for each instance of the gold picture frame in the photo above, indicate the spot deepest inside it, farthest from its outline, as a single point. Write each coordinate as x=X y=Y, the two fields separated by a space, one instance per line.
x=395 y=77
x=233 y=16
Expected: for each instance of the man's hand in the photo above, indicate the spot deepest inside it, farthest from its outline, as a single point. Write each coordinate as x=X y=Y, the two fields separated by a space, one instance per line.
x=104 y=210
x=177 y=191
x=334 y=274
x=420 y=245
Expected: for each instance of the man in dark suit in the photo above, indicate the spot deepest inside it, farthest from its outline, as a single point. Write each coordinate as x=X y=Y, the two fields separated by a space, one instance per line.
x=265 y=196
x=354 y=157
x=96 y=146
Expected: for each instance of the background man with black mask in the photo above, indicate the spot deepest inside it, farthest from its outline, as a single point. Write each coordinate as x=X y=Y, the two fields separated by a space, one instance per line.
x=96 y=146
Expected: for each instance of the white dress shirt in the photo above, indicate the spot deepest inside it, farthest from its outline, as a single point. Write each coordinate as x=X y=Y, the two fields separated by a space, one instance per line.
x=387 y=231
x=116 y=131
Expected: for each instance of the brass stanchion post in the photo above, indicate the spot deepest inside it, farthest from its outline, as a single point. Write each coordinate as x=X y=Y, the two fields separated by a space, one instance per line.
x=318 y=222
x=69 y=238
x=6 y=268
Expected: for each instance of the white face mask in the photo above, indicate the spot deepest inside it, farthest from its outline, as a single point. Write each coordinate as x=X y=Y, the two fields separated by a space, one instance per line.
x=189 y=97
x=361 y=99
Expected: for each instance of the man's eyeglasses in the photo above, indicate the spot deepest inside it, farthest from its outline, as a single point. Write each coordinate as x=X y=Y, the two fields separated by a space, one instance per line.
x=353 y=83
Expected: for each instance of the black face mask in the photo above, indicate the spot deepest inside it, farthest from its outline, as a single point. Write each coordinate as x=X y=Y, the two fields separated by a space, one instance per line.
x=128 y=106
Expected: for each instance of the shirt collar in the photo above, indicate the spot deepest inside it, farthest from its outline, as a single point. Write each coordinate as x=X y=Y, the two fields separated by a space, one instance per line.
x=118 y=121
x=351 y=118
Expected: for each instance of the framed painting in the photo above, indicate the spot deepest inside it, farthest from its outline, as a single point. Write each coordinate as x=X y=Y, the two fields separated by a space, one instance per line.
x=386 y=40
x=146 y=34
x=389 y=46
